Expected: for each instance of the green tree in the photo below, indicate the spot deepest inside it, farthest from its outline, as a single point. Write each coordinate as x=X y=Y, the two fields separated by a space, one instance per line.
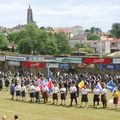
x=93 y=36
x=78 y=46
x=40 y=41
x=62 y=43
x=3 y=42
x=89 y=50
x=25 y=46
x=115 y=32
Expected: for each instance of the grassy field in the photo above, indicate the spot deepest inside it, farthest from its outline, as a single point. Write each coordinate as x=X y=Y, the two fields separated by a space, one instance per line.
x=33 y=111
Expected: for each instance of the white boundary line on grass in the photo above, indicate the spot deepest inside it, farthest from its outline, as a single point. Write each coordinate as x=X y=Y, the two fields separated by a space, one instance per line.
x=46 y=117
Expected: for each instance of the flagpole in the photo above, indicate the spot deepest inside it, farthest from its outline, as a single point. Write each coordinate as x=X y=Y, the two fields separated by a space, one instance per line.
x=48 y=72
x=100 y=53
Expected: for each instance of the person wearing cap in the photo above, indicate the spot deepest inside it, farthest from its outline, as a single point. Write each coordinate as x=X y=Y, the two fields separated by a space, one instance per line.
x=103 y=97
x=73 y=92
x=37 y=93
x=63 y=95
x=84 y=97
x=115 y=98
x=55 y=94
x=96 y=98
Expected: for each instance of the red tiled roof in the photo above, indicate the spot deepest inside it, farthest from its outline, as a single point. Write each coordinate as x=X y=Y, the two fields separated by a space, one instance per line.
x=65 y=30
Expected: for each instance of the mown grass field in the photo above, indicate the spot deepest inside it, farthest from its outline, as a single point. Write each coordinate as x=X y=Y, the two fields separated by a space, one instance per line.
x=33 y=111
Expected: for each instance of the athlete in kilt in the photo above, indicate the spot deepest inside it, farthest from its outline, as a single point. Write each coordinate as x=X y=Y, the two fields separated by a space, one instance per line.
x=73 y=92
x=37 y=93
x=55 y=94
x=115 y=98
x=63 y=95
x=96 y=98
x=84 y=97
x=12 y=90
x=23 y=91
x=18 y=89
x=45 y=94
x=103 y=97
x=32 y=92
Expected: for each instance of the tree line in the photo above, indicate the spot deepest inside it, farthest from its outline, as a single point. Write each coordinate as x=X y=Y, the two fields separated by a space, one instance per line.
x=34 y=40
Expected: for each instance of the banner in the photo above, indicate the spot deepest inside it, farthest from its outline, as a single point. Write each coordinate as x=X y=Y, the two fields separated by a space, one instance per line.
x=116 y=61
x=97 y=60
x=52 y=65
x=15 y=58
x=102 y=67
x=111 y=67
x=64 y=66
x=32 y=58
x=2 y=58
x=33 y=64
x=69 y=60
x=13 y=63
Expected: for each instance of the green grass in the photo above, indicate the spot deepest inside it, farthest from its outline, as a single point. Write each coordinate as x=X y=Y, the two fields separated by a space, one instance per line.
x=33 y=111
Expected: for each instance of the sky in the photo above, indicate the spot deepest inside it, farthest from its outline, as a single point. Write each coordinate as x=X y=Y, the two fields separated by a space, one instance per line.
x=61 y=13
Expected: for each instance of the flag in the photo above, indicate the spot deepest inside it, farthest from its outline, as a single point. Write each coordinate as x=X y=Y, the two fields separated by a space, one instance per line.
x=99 y=85
x=38 y=82
x=111 y=86
x=49 y=75
x=81 y=84
x=50 y=84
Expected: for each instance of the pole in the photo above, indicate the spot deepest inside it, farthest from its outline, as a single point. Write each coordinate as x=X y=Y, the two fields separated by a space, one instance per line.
x=48 y=72
x=100 y=53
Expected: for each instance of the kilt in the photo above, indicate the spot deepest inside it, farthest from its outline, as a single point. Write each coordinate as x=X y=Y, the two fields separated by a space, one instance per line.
x=32 y=95
x=103 y=98
x=55 y=96
x=73 y=95
x=63 y=96
x=18 y=93
x=23 y=94
x=115 y=100
x=84 y=98
x=12 y=92
x=96 y=98
x=45 y=94
x=37 y=95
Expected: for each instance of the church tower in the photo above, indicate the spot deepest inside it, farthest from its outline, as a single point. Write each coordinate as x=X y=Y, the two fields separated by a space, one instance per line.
x=29 y=15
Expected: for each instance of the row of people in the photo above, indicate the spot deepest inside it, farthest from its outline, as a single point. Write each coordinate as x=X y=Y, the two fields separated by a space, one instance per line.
x=34 y=92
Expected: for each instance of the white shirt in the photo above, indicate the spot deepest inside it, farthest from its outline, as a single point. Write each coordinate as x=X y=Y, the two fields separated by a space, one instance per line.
x=45 y=89
x=84 y=91
x=55 y=90
x=23 y=88
x=73 y=89
x=18 y=88
x=32 y=89
x=63 y=90
x=96 y=91
x=103 y=92
x=37 y=89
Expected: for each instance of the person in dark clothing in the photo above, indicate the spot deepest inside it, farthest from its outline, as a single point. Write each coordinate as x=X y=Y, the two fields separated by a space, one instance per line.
x=1 y=84
x=12 y=90
x=7 y=83
x=73 y=91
